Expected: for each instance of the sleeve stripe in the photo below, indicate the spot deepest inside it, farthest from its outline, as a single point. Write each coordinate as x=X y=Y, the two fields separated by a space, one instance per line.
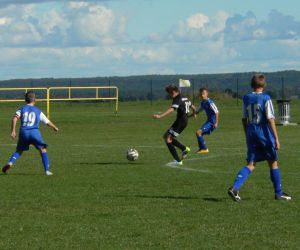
x=214 y=107
x=44 y=118
x=269 y=110
x=175 y=106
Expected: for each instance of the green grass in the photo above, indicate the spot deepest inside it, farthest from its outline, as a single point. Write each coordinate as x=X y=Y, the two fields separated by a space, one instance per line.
x=99 y=200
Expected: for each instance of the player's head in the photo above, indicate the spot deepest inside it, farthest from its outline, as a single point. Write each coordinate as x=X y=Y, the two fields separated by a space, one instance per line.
x=30 y=97
x=172 y=90
x=258 y=81
x=203 y=93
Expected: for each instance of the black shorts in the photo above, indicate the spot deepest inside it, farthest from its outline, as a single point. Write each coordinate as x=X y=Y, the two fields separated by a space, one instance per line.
x=177 y=127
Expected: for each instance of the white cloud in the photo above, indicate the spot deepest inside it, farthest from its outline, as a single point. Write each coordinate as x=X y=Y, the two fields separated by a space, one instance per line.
x=77 y=24
x=197 y=21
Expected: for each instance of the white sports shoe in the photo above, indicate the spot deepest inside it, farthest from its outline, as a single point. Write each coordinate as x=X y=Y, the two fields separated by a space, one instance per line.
x=175 y=164
x=49 y=173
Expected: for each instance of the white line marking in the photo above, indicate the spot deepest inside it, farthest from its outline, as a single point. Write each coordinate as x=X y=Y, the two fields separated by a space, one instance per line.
x=189 y=169
x=212 y=157
x=137 y=146
x=114 y=146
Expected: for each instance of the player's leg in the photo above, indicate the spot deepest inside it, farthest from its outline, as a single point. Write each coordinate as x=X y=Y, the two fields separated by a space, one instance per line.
x=177 y=129
x=276 y=179
x=45 y=160
x=168 y=137
x=41 y=146
x=13 y=159
x=201 y=142
x=240 y=179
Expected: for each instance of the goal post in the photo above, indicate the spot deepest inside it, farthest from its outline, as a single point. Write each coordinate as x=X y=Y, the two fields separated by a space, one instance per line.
x=49 y=95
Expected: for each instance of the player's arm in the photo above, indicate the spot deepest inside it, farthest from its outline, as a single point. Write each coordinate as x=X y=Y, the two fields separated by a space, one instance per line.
x=167 y=112
x=271 y=120
x=274 y=130
x=216 y=111
x=245 y=119
x=245 y=124
x=217 y=120
x=14 y=121
x=194 y=109
x=46 y=121
x=199 y=109
x=51 y=125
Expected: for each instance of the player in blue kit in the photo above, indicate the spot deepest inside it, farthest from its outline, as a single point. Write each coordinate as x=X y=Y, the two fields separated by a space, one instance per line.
x=29 y=134
x=261 y=136
x=212 y=121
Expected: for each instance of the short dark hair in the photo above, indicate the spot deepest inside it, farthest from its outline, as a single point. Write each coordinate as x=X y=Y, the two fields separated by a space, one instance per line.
x=170 y=88
x=258 y=81
x=29 y=97
x=203 y=89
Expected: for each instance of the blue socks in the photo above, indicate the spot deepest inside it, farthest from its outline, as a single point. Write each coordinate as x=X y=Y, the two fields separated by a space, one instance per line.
x=241 y=177
x=45 y=161
x=14 y=158
x=276 y=179
x=201 y=142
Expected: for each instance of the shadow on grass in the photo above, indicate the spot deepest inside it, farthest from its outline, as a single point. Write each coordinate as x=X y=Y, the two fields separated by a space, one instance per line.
x=165 y=197
x=110 y=163
x=21 y=174
x=212 y=199
x=223 y=199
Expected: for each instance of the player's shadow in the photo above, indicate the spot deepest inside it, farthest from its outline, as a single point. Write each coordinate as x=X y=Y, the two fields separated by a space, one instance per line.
x=110 y=163
x=165 y=197
x=213 y=199
x=223 y=199
x=20 y=174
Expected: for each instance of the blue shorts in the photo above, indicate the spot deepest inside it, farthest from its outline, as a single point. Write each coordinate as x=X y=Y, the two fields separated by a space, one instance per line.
x=257 y=151
x=207 y=128
x=30 y=137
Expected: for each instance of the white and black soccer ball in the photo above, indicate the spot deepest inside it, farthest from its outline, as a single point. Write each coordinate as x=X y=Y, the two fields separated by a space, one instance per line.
x=132 y=154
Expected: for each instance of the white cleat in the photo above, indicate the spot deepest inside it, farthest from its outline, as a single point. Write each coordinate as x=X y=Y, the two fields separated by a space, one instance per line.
x=49 y=173
x=174 y=164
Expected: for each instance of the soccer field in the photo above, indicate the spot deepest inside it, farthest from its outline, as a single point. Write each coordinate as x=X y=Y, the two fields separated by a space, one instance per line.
x=98 y=200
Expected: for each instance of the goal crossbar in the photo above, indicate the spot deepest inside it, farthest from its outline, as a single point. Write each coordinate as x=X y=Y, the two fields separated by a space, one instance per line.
x=50 y=98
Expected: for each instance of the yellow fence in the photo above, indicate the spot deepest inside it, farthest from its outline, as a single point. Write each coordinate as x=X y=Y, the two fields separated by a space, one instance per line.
x=49 y=95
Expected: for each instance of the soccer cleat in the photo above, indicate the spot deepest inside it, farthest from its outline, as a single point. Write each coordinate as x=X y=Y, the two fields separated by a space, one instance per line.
x=49 y=173
x=175 y=164
x=283 y=196
x=234 y=194
x=203 y=151
x=6 y=168
x=185 y=153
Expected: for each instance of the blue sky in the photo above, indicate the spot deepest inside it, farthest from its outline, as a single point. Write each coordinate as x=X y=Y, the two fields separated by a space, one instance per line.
x=131 y=37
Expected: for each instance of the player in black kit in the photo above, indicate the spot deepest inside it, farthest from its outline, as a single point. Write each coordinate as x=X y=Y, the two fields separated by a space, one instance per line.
x=182 y=105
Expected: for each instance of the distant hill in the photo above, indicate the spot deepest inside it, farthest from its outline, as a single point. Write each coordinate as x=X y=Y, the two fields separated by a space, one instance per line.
x=139 y=87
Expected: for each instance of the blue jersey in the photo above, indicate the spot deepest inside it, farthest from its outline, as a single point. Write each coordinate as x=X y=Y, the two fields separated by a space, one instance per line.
x=257 y=109
x=31 y=117
x=210 y=109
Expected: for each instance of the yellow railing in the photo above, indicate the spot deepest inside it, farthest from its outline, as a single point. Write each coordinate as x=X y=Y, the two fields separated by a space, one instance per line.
x=49 y=92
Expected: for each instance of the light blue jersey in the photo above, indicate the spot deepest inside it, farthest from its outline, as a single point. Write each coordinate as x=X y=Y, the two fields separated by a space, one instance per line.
x=30 y=117
x=258 y=109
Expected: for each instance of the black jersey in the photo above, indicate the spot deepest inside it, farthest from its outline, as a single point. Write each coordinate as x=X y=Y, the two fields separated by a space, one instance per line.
x=182 y=105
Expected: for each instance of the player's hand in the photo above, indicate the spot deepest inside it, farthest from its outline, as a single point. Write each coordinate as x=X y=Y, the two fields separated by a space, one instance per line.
x=13 y=135
x=156 y=116
x=216 y=125
x=56 y=129
x=277 y=145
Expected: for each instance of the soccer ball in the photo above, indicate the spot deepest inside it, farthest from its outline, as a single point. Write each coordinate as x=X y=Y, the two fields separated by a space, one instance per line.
x=132 y=154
